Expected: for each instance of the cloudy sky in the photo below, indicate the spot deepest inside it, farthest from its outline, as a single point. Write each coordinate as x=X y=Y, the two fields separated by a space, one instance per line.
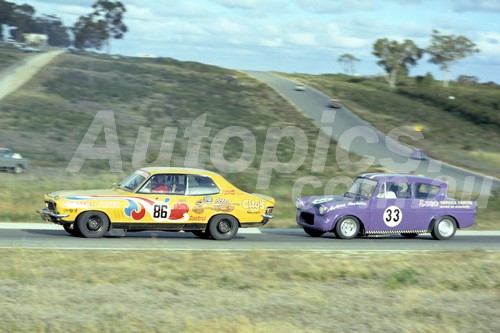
x=305 y=36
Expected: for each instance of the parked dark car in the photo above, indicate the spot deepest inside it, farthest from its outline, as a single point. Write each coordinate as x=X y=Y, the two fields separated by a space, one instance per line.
x=11 y=161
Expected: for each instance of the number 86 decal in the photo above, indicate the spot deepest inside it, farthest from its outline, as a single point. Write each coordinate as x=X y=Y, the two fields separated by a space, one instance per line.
x=393 y=216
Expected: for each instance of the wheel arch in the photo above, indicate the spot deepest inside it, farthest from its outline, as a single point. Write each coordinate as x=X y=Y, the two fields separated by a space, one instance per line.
x=362 y=228
x=438 y=217
x=223 y=214
x=94 y=210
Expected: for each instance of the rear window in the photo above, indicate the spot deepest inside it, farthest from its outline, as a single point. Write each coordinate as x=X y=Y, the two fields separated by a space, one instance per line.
x=426 y=191
x=201 y=185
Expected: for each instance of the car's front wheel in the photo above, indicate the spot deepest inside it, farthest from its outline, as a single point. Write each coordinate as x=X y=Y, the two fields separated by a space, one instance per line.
x=347 y=227
x=223 y=227
x=92 y=224
x=314 y=232
x=444 y=228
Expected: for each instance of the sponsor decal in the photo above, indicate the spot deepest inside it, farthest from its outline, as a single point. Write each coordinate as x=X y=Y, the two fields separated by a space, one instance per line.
x=449 y=204
x=90 y=204
x=197 y=218
x=229 y=192
x=253 y=205
x=337 y=206
x=321 y=200
x=135 y=211
x=393 y=216
x=218 y=205
x=357 y=203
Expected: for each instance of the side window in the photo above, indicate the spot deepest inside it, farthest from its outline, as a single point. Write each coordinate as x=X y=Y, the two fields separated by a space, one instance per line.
x=165 y=183
x=201 y=185
x=426 y=191
x=402 y=190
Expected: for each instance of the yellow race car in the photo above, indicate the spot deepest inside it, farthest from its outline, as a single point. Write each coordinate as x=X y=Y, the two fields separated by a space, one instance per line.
x=169 y=199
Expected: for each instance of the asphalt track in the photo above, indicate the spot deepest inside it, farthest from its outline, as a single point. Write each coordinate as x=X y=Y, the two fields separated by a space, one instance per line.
x=52 y=237
x=347 y=125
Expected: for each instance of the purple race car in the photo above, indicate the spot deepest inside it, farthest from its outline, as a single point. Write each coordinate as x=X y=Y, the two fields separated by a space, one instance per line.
x=387 y=204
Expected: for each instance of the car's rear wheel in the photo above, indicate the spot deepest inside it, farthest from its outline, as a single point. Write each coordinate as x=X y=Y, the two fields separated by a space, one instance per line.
x=92 y=224
x=201 y=234
x=71 y=230
x=409 y=235
x=444 y=228
x=347 y=227
x=223 y=227
x=314 y=232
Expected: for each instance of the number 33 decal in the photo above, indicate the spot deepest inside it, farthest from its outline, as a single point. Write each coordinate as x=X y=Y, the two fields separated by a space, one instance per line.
x=393 y=216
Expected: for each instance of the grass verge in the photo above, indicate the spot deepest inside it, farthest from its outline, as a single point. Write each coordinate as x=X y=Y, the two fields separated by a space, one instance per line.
x=105 y=291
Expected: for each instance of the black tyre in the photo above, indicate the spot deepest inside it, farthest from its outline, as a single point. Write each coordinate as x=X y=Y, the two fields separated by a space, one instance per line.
x=409 y=235
x=223 y=227
x=92 y=224
x=444 y=228
x=201 y=234
x=71 y=230
x=347 y=227
x=314 y=232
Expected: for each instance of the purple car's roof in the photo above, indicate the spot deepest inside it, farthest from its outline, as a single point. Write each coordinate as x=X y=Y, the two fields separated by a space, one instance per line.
x=397 y=176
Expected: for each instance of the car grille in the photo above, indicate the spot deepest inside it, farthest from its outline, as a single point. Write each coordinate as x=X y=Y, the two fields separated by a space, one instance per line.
x=51 y=206
x=307 y=218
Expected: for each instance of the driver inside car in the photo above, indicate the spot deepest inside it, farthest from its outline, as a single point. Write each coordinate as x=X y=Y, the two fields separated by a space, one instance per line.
x=159 y=184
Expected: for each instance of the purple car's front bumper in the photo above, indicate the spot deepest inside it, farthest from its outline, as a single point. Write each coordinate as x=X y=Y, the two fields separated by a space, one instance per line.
x=310 y=218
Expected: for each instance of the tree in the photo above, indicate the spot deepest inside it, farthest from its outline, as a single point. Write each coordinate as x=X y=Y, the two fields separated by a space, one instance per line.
x=448 y=49
x=105 y=22
x=52 y=26
x=395 y=57
x=468 y=80
x=89 y=33
x=348 y=62
x=22 y=19
x=6 y=10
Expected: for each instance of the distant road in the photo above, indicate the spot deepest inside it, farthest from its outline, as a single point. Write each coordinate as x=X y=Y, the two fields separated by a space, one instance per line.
x=13 y=77
x=44 y=237
x=313 y=102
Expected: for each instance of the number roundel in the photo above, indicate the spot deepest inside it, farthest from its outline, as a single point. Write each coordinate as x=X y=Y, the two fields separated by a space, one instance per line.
x=393 y=216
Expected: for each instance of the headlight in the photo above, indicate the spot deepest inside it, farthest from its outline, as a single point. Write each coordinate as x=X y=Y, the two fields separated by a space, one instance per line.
x=298 y=204
x=321 y=209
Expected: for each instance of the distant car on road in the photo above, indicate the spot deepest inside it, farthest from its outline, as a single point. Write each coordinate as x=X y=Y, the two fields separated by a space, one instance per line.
x=387 y=204
x=300 y=87
x=11 y=161
x=335 y=103
x=161 y=199
x=419 y=155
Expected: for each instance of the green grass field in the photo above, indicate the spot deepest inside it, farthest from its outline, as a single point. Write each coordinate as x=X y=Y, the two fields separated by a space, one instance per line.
x=10 y=56
x=108 y=291
x=463 y=131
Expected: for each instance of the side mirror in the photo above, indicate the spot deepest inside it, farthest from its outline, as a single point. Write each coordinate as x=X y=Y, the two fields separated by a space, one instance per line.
x=114 y=186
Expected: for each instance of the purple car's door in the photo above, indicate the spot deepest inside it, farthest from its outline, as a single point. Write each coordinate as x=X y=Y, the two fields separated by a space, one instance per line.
x=392 y=208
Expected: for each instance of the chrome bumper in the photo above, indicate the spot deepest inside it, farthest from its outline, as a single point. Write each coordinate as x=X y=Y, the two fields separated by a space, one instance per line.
x=50 y=216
